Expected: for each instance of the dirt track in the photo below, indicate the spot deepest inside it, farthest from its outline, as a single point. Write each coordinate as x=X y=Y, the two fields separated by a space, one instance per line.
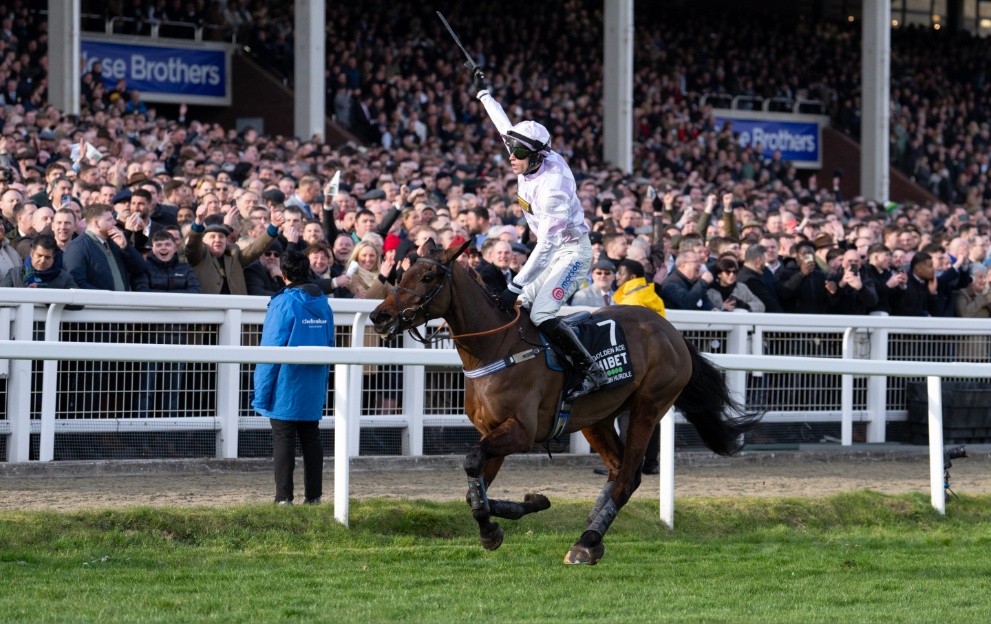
x=808 y=475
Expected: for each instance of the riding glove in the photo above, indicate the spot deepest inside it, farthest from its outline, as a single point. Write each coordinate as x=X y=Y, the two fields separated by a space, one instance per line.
x=507 y=300
x=478 y=80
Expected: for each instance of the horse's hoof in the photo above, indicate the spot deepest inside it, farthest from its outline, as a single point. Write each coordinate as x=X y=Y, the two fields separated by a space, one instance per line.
x=539 y=500
x=584 y=555
x=493 y=540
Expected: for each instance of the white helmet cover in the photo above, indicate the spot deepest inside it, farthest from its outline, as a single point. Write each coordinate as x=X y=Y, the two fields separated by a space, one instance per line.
x=530 y=134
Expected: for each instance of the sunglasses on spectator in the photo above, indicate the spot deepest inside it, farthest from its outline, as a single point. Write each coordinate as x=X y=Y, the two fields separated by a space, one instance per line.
x=273 y=254
x=730 y=271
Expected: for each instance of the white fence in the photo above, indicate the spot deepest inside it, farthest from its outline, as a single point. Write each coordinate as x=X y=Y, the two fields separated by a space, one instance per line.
x=59 y=398
x=348 y=364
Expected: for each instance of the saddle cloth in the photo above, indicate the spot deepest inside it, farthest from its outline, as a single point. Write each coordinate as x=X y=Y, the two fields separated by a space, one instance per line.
x=604 y=339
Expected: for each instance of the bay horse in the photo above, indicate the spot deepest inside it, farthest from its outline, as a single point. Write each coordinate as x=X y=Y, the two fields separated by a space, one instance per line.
x=517 y=406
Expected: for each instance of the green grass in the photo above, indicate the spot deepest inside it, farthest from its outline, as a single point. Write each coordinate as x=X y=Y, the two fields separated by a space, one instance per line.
x=861 y=557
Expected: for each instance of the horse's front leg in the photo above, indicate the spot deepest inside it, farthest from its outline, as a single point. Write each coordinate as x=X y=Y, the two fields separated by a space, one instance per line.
x=481 y=465
x=510 y=510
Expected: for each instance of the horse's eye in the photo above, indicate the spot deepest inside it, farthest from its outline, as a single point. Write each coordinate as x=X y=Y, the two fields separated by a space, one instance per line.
x=429 y=277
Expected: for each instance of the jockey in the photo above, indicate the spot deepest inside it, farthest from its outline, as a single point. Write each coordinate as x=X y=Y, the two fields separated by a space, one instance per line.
x=563 y=253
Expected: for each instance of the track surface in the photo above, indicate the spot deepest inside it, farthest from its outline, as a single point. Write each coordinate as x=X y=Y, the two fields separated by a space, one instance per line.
x=182 y=485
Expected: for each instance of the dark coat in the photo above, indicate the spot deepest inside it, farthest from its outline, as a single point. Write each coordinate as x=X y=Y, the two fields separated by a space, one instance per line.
x=885 y=294
x=801 y=294
x=22 y=245
x=947 y=282
x=850 y=301
x=171 y=276
x=758 y=285
x=259 y=282
x=88 y=263
x=165 y=215
x=15 y=279
x=915 y=299
x=679 y=293
x=493 y=279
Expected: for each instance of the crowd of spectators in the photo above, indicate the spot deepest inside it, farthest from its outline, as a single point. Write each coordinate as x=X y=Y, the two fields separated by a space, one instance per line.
x=713 y=225
x=131 y=199
x=393 y=78
x=390 y=72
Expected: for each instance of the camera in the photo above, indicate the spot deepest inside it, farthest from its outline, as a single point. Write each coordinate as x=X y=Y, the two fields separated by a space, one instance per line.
x=854 y=267
x=953 y=452
x=7 y=175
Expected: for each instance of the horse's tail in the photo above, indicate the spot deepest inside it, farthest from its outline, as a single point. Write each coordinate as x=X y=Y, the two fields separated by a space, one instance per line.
x=719 y=419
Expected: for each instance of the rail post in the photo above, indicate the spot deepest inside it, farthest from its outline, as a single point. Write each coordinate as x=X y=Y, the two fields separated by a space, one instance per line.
x=846 y=392
x=414 y=403
x=49 y=386
x=345 y=393
x=667 y=468
x=934 y=385
x=19 y=390
x=229 y=388
x=877 y=389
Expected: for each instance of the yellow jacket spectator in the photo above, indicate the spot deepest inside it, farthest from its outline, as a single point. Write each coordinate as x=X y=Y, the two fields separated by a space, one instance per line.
x=634 y=289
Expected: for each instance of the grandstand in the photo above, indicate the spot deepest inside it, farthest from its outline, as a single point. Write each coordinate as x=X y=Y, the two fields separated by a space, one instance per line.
x=764 y=106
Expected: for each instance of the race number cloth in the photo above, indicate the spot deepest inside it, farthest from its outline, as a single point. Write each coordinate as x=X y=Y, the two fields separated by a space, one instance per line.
x=606 y=342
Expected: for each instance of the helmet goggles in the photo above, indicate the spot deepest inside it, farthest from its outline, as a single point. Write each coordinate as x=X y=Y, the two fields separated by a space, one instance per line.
x=518 y=150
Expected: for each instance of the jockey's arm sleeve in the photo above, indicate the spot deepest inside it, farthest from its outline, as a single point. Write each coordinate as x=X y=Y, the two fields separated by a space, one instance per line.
x=551 y=222
x=495 y=111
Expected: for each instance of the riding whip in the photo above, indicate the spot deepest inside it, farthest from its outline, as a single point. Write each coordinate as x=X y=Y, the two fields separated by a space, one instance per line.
x=471 y=64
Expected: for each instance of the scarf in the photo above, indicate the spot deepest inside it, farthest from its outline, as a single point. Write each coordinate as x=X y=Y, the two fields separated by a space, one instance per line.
x=725 y=291
x=362 y=280
x=33 y=276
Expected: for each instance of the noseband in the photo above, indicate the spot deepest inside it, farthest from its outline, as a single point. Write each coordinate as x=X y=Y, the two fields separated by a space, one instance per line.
x=407 y=315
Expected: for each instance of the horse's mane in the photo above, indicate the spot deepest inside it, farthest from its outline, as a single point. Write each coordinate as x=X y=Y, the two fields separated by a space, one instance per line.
x=477 y=279
x=475 y=276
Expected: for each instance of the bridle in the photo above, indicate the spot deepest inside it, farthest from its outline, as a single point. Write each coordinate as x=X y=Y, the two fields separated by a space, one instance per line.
x=407 y=315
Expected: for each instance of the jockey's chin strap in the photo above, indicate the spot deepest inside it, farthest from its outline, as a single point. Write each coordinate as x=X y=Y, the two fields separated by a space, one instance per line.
x=407 y=315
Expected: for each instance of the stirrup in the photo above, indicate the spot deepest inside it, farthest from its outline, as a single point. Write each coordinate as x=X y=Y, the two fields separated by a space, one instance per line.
x=588 y=385
x=594 y=379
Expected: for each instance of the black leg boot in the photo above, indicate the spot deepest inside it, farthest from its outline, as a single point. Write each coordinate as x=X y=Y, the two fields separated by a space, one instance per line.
x=562 y=335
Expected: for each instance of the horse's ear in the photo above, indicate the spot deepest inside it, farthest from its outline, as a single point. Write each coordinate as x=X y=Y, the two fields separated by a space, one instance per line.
x=451 y=253
x=428 y=247
x=464 y=246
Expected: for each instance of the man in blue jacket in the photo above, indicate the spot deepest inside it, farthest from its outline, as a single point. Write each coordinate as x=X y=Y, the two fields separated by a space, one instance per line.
x=293 y=395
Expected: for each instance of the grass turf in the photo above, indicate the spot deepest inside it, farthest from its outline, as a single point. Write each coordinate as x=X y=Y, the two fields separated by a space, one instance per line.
x=861 y=557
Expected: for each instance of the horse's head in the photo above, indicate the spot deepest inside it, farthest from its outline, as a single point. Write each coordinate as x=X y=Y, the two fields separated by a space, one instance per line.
x=421 y=294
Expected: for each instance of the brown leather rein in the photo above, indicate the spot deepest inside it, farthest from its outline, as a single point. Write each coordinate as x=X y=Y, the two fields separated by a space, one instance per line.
x=488 y=332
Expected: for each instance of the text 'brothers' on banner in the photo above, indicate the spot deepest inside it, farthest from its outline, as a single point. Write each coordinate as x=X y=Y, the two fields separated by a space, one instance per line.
x=197 y=74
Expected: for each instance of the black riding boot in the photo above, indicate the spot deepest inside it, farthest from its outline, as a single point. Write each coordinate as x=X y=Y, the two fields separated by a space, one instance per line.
x=562 y=335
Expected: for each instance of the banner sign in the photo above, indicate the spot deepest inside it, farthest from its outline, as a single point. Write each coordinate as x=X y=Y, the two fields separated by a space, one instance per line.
x=798 y=141
x=196 y=75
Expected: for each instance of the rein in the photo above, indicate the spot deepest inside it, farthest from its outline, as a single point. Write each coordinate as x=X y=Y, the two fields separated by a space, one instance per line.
x=486 y=333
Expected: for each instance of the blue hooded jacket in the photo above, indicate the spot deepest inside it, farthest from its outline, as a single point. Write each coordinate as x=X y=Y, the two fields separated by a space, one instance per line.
x=296 y=317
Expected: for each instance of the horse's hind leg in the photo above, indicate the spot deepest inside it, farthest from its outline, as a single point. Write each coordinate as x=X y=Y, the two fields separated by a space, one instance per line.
x=643 y=417
x=603 y=439
x=481 y=465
